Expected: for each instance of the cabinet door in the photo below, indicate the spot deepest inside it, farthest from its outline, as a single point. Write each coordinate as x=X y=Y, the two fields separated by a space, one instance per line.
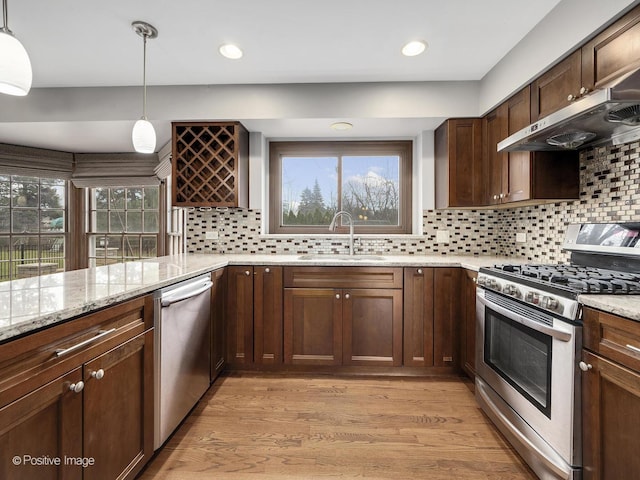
x=550 y=91
x=267 y=315
x=118 y=410
x=218 y=292
x=610 y=421
x=312 y=326
x=613 y=52
x=372 y=327
x=45 y=423
x=495 y=130
x=468 y=330
x=446 y=313
x=240 y=315
x=518 y=173
x=418 y=317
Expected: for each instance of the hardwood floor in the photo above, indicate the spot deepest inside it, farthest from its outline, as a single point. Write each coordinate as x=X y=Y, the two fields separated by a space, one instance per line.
x=282 y=427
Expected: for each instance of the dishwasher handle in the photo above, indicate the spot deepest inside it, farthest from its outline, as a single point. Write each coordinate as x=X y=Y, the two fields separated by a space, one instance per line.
x=170 y=299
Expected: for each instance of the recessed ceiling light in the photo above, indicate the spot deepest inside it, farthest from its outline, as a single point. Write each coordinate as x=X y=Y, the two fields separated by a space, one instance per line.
x=231 y=51
x=414 y=48
x=341 y=126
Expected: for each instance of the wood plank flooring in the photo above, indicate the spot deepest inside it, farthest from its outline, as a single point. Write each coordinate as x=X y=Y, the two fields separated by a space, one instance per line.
x=315 y=427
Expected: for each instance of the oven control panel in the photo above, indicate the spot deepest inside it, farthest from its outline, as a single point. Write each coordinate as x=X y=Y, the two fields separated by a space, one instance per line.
x=565 y=307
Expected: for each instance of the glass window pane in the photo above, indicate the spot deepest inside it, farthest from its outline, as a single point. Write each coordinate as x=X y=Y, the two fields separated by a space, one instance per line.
x=52 y=196
x=149 y=246
x=5 y=223
x=309 y=190
x=100 y=222
x=132 y=246
x=113 y=245
x=52 y=251
x=5 y=256
x=151 y=198
x=100 y=198
x=117 y=198
x=134 y=221
x=5 y=193
x=25 y=220
x=117 y=221
x=52 y=220
x=24 y=249
x=25 y=194
x=150 y=221
x=134 y=198
x=371 y=189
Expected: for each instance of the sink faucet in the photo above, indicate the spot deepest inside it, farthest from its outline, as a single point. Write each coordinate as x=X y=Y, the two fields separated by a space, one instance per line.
x=332 y=227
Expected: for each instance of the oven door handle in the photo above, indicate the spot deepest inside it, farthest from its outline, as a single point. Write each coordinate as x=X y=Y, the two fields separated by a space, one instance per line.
x=539 y=327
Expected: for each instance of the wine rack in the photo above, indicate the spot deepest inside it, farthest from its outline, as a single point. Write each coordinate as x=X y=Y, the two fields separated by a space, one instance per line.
x=210 y=162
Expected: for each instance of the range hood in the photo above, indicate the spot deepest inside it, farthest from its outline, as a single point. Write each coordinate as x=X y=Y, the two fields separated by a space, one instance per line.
x=607 y=116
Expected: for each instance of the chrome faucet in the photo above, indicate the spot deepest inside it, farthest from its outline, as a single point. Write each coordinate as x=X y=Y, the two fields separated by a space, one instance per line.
x=332 y=227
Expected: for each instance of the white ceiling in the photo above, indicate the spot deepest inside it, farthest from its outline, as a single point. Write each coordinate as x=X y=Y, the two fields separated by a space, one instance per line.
x=80 y=43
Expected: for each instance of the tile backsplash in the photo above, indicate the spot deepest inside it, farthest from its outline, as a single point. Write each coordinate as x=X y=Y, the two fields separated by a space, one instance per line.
x=609 y=191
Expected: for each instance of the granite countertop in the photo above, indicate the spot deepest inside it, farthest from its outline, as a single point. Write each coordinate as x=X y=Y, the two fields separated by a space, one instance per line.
x=32 y=303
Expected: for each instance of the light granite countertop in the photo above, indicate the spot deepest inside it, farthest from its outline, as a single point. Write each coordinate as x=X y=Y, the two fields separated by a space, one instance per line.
x=33 y=303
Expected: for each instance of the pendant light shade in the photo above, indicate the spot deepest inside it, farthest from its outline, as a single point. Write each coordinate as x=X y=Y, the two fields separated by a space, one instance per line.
x=15 y=66
x=143 y=135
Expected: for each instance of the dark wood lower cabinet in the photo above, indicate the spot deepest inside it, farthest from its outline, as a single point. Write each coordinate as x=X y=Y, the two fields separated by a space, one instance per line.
x=418 y=317
x=47 y=423
x=240 y=315
x=312 y=326
x=218 y=302
x=468 y=323
x=118 y=408
x=267 y=315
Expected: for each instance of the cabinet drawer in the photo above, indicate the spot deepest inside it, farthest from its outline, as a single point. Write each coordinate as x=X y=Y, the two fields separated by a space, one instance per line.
x=342 y=277
x=30 y=361
x=613 y=337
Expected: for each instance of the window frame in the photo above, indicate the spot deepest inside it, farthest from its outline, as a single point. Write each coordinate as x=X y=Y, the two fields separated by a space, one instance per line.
x=402 y=148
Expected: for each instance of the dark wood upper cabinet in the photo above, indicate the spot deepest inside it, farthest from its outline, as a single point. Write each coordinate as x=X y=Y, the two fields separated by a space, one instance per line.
x=495 y=129
x=613 y=52
x=210 y=162
x=459 y=163
x=551 y=91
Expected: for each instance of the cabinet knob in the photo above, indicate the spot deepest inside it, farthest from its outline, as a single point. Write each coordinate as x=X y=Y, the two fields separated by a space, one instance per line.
x=98 y=374
x=584 y=90
x=495 y=197
x=76 y=387
x=267 y=270
x=475 y=280
x=571 y=97
x=338 y=296
x=585 y=367
x=247 y=273
x=347 y=296
x=419 y=271
x=502 y=195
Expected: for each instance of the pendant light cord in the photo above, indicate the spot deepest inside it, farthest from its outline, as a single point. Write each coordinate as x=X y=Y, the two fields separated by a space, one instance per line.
x=5 y=14
x=144 y=76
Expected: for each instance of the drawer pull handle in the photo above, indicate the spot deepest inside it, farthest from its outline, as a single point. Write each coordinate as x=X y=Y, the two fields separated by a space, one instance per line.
x=585 y=367
x=247 y=273
x=419 y=271
x=633 y=349
x=338 y=296
x=267 y=270
x=76 y=387
x=347 y=296
x=102 y=333
x=98 y=374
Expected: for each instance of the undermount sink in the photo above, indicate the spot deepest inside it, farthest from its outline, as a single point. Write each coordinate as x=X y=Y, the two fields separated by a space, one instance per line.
x=341 y=258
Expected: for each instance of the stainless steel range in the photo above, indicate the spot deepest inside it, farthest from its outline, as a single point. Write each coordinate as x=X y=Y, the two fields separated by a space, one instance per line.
x=529 y=337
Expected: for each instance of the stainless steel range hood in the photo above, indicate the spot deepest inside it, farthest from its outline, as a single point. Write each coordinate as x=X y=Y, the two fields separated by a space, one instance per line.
x=607 y=116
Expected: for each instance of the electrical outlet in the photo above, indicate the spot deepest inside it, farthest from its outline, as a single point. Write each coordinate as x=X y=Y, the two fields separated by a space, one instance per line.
x=442 y=236
x=211 y=235
x=521 y=237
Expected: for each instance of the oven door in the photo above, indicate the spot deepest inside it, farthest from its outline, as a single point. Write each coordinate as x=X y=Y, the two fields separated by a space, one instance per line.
x=529 y=381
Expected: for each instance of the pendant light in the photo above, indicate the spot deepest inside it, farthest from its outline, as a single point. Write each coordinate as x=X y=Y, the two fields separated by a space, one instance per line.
x=15 y=66
x=143 y=135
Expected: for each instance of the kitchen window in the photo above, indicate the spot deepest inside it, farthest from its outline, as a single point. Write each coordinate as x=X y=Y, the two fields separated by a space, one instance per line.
x=33 y=226
x=311 y=181
x=123 y=224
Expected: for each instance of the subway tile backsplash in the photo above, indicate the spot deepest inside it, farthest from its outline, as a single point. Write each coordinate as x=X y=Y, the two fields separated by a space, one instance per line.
x=610 y=191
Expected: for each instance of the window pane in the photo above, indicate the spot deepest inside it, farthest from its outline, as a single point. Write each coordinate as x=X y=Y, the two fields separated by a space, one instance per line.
x=52 y=220
x=52 y=251
x=5 y=256
x=151 y=198
x=134 y=221
x=100 y=222
x=117 y=221
x=117 y=199
x=150 y=221
x=134 y=198
x=131 y=246
x=371 y=189
x=309 y=190
x=52 y=196
x=5 y=194
x=25 y=194
x=25 y=220
x=5 y=223
x=149 y=246
x=24 y=248
x=101 y=198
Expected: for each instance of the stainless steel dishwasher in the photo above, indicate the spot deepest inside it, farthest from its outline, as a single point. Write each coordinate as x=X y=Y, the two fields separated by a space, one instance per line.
x=182 y=351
